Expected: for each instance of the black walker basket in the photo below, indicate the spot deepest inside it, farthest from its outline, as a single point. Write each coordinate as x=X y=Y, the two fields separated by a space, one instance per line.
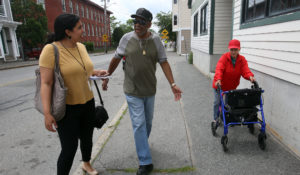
x=241 y=105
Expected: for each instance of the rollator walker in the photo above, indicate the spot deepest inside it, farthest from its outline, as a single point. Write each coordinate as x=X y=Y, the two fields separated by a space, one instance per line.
x=240 y=107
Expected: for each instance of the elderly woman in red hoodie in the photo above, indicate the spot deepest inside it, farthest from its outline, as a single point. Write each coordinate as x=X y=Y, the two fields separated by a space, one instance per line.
x=230 y=67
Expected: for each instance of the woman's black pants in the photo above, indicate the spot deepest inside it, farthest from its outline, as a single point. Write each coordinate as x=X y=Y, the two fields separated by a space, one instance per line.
x=75 y=125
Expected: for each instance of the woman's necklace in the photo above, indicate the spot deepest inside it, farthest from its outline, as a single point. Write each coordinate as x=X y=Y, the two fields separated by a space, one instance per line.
x=81 y=64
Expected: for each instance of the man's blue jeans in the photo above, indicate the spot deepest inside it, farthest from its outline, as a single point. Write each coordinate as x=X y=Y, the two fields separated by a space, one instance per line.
x=141 y=113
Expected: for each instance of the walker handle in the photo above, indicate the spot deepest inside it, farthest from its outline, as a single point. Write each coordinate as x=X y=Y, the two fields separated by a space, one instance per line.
x=255 y=84
x=218 y=87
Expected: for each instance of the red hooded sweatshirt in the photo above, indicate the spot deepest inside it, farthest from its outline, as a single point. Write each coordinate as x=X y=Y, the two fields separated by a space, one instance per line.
x=230 y=75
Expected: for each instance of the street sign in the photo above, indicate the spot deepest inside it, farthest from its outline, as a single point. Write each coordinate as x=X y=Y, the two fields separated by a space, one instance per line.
x=104 y=38
x=164 y=37
x=165 y=32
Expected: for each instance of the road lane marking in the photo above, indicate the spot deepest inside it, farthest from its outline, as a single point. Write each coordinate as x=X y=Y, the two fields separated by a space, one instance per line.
x=17 y=81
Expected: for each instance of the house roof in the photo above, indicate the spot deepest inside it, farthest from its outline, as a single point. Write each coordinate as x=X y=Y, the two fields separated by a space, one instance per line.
x=96 y=5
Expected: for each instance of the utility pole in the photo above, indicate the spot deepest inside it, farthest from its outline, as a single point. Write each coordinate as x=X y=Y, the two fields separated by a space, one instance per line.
x=105 y=45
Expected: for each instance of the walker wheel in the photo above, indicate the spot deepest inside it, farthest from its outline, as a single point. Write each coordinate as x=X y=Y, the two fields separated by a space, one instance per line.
x=262 y=140
x=224 y=142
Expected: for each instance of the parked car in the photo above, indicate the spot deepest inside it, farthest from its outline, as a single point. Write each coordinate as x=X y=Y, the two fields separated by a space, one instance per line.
x=34 y=53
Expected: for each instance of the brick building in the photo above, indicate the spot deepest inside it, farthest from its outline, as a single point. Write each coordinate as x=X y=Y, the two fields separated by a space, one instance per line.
x=91 y=14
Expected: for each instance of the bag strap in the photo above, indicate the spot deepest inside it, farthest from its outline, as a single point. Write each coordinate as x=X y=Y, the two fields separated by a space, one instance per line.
x=56 y=54
x=101 y=101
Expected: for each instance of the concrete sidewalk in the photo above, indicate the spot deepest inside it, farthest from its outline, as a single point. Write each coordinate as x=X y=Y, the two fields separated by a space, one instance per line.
x=181 y=141
x=18 y=64
x=21 y=63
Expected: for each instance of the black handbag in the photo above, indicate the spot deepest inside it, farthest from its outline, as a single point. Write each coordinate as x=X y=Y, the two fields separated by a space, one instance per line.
x=101 y=115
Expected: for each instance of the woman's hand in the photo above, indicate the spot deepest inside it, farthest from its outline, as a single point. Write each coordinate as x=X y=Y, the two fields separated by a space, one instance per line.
x=218 y=82
x=252 y=79
x=49 y=122
x=99 y=73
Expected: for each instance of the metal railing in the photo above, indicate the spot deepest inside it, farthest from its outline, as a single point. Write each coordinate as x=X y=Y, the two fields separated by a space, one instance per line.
x=2 y=10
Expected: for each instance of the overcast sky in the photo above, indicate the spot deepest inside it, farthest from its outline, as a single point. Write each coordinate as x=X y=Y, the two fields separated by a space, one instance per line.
x=122 y=9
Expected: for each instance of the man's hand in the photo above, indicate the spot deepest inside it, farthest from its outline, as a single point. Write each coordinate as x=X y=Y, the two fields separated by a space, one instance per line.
x=252 y=79
x=104 y=84
x=177 y=92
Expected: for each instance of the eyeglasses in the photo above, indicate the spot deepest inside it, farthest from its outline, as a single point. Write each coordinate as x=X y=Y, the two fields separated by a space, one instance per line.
x=139 y=21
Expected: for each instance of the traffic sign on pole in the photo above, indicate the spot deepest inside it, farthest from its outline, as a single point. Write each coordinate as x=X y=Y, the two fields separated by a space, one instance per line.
x=165 y=32
x=104 y=38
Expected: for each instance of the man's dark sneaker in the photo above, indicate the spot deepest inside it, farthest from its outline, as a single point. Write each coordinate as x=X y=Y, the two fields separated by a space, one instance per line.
x=144 y=169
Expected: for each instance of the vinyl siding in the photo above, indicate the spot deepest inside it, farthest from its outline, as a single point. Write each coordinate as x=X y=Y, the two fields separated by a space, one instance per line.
x=271 y=49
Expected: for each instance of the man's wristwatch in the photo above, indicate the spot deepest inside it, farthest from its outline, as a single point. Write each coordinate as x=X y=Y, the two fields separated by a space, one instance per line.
x=173 y=84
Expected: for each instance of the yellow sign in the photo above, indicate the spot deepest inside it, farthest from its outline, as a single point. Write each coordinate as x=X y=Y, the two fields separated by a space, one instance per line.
x=104 y=38
x=164 y=37
x=165 y=32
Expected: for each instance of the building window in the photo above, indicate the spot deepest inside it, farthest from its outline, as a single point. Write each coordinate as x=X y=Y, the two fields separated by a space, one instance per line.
x=204 y=20
x=83 y=27
x=89 y=32
x=175 y=20
x=93 y=31
x=82 y=10
x=87 y=13
x=259 y=9
x=2 y=8
x=195 y=32
x=77 y=9
x=96 y=32
x=71 y=7
x=254 y=9
x=99 y=31
x=63 y=4
x=175 y=1
x=91 y=14
x=283 y=6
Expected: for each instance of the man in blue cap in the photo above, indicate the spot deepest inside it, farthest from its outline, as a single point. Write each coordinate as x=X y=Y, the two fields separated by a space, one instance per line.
x=142 y=51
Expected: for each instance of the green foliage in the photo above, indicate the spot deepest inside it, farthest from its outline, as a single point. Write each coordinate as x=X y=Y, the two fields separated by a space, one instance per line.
x=117 y=35
x=120 y=30
x=165 y=22
x=190 y=59
x=33 y=30
x=89 y=46
x=114 y=23
x=128 y=27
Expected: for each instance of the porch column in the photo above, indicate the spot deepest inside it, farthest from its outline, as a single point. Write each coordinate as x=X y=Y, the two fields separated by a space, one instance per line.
x=12 y=32
x=1 y=45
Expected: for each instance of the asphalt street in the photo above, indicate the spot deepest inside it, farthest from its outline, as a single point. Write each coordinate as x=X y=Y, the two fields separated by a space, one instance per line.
x=26 y=147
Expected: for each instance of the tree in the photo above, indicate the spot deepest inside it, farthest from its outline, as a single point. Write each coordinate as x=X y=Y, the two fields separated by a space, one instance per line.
x=33 y=30
x=114 y=23
x=120 y=30
x=117 y=35
x=128 y=27
x=165 y=22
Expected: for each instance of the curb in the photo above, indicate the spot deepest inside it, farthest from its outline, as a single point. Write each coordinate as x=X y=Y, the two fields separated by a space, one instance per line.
x=20 y=66
x=104 y=137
